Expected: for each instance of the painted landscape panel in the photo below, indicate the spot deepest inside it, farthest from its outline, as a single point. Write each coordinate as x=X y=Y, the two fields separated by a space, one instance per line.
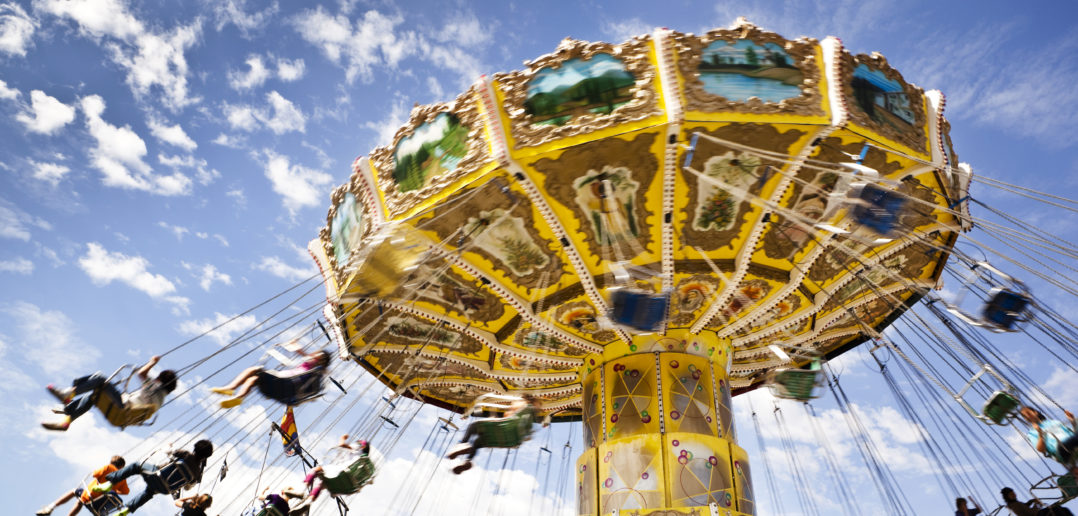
x=346 y=228
x=743 y=69
x=882 y=99
x=577 y=87
x=434 y=148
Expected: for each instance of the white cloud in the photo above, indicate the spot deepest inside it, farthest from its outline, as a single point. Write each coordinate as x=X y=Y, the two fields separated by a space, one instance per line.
x=277 y=267
x=298 y=185
x=178 y=231
x=14 y=222
x=234 y=12
x=286 y=116
x=387 y=127
x=1060 y=385
x=239 y=196
x=210 y=275
x=153 y=61
x=49 y=339
x=240 y=117
x=171 y=134
x=18 y=266
x=618 y=31
x=233 y=326
x=104 y=267
x=221 y=239
x=7 y=93
x=281 y=116
x=255 y=75
x=119 y=156
x=203 y=174
x=16 y=29
x=289 y=70
x=225 y=140
x=45 y=114
x=373 y=42
x=50 y=173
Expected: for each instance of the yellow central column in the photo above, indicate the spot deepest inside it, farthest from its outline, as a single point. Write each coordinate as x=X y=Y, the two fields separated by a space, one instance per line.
x=659 y=427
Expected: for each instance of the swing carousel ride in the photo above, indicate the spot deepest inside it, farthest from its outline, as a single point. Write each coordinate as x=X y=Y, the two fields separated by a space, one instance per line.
x=634 y=233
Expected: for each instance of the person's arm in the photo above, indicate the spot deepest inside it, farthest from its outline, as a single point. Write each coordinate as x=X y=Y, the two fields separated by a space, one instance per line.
x=1070 y=417
x=144 y=371
x=1040 y=444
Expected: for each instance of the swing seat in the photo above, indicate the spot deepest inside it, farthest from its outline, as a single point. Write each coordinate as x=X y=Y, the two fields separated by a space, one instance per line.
x=389 y=259
x=999 y=407
x=879 y=209
x=1005 y=308
x=508 y=432
x=638 y=309
x=105 y=504
x=292 y=389
x=176 y=475
x=121 y=415
x=269 y=510
x=1069 y=486
x=351 y=479
x=795 y=384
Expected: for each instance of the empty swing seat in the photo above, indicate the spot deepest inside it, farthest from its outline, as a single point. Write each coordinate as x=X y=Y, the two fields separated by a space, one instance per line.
x=879 y=209
x=638 y=309
x=795 y=384
x=351 y=478
x=999 y=407
x=1068 y=485
x=507 y=432
x=1005 y=308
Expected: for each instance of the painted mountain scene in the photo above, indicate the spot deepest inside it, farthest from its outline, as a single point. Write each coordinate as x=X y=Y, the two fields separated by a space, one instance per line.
x=578 y=87
x=435 y=148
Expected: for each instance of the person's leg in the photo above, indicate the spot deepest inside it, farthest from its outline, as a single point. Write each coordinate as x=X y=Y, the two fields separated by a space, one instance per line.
x=238 y=380
x=75 y=510
x=87 y=383
x=154 y=486
x=64 y=498
x=130 y=470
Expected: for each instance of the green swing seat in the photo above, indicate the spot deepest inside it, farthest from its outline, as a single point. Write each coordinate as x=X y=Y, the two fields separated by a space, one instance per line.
x=352 y=478
x=507 y=432
x=796 y=384
x=1000 y=406
x=1068 y=485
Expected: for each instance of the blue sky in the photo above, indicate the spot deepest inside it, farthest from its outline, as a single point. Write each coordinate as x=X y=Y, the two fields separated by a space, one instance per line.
x=163 y=166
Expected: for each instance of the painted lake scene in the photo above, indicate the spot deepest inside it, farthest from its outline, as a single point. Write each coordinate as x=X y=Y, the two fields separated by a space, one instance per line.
x=882 y=99
x=434 y=148
x=578 y=87
x=743 y=69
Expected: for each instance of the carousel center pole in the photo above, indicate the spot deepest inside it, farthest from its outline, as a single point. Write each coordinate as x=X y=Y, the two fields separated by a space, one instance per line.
x=659 y=429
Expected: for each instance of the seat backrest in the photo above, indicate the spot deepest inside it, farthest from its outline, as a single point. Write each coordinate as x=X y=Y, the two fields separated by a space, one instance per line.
x=105 y=504
x=176 y=475
x=122 y=415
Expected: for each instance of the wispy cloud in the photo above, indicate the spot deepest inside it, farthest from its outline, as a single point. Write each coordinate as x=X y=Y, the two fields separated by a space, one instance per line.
x=154 y=60
x=231 y=327
x=621 y=30
x=171 y=134
x=253 y=75
x=299 y=186
x=207 y=275
x=50 y=173
x=280 y=115
x=103 y=267
x=18 y=266
x=15 y=223
x=8 y=93
x=234 y=12
x=50 y=339
x=16 y=29
x=277 y=267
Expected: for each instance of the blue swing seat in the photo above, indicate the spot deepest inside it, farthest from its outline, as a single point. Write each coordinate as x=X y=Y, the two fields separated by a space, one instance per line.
x=879 y=209
x=1005 y=308
x=638 y=309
